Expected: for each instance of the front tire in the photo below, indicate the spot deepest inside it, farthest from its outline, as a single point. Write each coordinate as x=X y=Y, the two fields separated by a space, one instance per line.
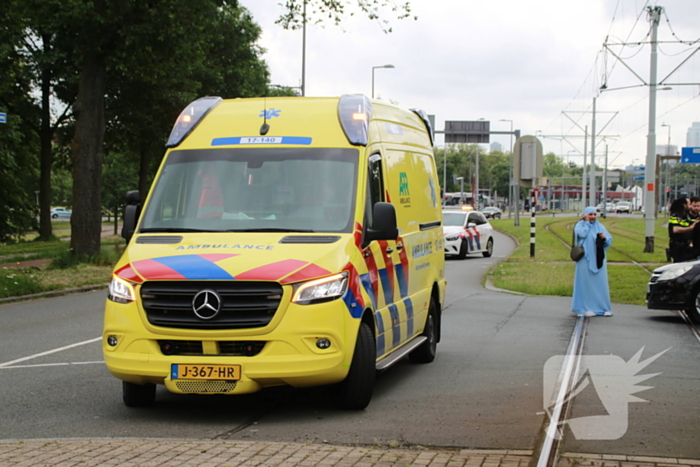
x=138 y=395
x=426 y=352
x=694 y=311
x=355 y=391
x=463 y=249
x=489 y=248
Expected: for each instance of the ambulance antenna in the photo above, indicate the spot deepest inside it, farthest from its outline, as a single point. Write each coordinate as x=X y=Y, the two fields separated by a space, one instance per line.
x=265 y=127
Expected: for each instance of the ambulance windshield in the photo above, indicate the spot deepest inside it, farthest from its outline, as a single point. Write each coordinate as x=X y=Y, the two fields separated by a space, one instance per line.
x=258 y=189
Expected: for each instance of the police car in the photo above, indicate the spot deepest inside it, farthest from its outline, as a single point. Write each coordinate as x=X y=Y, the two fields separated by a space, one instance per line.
x=676 y=287
x=466 y=232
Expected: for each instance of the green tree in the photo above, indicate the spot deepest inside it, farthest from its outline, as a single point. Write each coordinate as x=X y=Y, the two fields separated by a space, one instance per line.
x=31 y=60
x=18 y=209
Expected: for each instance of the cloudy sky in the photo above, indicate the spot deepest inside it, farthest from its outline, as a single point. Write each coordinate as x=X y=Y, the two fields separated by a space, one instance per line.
x=538 y=63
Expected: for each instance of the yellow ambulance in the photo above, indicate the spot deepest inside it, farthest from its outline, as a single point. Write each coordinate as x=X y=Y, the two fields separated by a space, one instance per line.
x=285 y=241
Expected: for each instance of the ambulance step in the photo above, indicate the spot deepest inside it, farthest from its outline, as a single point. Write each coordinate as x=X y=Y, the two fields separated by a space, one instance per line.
x=397 y=355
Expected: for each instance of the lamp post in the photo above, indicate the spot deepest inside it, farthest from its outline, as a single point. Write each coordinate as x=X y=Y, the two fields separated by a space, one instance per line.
x=303 y=51
x=510 y=175
x=662 y=192
x=375 y=67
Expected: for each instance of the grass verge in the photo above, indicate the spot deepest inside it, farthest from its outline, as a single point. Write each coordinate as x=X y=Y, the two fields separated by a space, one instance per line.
x=61 y=270
x=551 y=272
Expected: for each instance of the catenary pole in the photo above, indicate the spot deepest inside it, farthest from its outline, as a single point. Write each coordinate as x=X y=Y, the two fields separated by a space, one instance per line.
x=650 y=172
x=584 y=192
x=591 y=171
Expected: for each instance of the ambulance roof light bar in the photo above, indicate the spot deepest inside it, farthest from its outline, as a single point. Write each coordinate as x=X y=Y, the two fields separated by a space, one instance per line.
x=354 y=111
x=190 y=118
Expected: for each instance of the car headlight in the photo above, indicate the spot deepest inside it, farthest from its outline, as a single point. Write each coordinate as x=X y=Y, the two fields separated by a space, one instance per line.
x=672 y=273
x=321 y=290
x=452 y=238
x=121 y=291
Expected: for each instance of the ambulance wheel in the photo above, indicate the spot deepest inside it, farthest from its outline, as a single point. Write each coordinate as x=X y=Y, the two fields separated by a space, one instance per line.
x=138 y=395
x=425 y=353
x=489 y=249
x=355 y=392
x=463 y=249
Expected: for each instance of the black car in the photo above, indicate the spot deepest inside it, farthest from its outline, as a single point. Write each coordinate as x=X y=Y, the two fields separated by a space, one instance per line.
x=492 y=212
x=676 y=287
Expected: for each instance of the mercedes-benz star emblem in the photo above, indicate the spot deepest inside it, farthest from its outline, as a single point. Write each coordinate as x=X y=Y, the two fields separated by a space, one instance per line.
x=206 y=304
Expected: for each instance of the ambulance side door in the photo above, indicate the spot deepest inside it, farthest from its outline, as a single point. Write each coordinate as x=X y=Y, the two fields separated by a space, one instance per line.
x=380 y=257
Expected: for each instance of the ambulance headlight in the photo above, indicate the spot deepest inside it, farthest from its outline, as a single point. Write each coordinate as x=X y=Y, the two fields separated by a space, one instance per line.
x=321 y=290
x=121 y=291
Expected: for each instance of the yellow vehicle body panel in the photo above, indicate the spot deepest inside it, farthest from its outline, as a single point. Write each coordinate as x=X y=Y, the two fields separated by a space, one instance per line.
x=391 y=283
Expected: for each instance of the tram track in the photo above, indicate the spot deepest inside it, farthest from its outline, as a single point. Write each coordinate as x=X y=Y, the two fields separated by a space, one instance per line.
x=568 y=244
x=551 y=434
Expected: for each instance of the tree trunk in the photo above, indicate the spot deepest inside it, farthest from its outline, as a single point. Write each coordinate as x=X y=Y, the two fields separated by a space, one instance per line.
x=45 y=156
x=86 y=151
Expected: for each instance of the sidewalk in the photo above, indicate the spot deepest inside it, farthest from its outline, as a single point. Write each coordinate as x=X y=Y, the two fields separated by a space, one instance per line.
x=147 y=452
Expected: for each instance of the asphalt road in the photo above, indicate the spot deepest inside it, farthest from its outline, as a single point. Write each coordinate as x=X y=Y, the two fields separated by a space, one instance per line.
x=484 y=390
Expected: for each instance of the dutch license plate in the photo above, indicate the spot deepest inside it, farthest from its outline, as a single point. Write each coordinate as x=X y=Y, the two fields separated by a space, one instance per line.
x=206 y=372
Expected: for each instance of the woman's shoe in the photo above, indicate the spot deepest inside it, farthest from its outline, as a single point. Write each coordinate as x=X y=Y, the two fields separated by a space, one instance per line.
x=589 y=314
x=608 y=313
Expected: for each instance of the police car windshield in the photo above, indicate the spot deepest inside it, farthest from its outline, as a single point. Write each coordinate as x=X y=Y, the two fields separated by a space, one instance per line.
x=255 y=190
x=453 y=218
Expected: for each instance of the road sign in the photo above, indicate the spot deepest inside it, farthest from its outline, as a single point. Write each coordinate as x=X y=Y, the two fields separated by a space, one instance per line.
x=467 y=131
x=3 y=117
x=690 y=156
x=639 y=178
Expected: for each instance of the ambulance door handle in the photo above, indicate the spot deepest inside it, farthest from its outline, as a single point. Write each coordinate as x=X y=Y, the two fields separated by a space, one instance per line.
x=399 y=246
x=389 y=250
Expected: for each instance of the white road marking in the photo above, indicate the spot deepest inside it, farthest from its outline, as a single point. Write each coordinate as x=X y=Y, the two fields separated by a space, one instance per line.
x=49 y=352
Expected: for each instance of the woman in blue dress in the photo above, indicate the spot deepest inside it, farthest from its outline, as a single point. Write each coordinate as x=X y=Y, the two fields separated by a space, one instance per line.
x=591 y=290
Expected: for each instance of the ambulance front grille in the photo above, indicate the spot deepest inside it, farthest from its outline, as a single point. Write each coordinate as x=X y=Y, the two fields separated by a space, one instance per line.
x=243 y=304
x=204 y=387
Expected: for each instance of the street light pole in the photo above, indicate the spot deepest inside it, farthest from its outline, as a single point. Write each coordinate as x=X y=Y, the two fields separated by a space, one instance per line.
x=303 y=51
x=375 y=67
x=510 y=176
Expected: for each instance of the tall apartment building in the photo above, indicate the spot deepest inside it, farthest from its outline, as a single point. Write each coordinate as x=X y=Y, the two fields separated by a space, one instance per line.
x=692 y=139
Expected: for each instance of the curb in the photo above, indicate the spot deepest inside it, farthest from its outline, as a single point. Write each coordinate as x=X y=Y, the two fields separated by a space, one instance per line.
x=51 y=293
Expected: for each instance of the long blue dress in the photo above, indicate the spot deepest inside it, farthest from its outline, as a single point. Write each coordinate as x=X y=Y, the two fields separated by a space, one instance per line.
x=591 y=290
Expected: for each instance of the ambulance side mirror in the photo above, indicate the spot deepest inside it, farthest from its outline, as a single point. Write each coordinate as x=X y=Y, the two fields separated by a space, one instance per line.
x=132 y=210
x=384 y=215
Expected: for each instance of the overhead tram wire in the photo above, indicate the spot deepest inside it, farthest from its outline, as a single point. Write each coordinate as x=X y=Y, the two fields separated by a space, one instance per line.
x=673 y=33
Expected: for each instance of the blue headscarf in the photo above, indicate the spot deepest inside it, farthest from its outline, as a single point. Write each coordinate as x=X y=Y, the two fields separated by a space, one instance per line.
x=594 y=228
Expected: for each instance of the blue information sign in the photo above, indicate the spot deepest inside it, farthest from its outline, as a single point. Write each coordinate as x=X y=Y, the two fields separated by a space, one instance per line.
x=639 y=178
x=690 y=156
x=3 y=117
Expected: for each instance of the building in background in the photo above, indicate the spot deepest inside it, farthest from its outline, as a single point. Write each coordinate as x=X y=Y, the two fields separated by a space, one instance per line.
x=496 y=147
x=667 y=150
x=692 y=139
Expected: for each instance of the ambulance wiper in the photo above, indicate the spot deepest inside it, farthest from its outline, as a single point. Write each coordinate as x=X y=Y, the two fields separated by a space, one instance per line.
x=173 y=229
x=272 y=229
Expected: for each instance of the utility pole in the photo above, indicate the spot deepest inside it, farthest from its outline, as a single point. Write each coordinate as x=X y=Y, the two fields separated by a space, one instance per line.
x=650 y=173
x=605 y=184
x=591 y=171
x=303 y=51
x=584 y=192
